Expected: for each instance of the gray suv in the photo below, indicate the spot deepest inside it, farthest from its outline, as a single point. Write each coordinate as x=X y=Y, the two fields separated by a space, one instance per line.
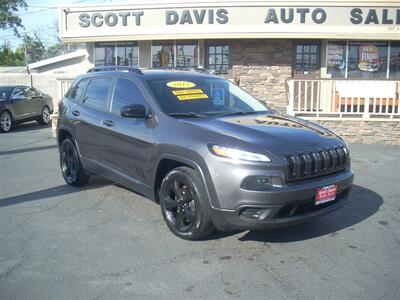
x=211 y=154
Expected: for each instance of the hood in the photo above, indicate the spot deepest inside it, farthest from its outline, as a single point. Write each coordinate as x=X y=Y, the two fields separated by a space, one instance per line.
x=280 y=134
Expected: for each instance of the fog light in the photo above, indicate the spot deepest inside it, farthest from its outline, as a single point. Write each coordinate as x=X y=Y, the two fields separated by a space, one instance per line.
x=254 y=213
x=256 y=183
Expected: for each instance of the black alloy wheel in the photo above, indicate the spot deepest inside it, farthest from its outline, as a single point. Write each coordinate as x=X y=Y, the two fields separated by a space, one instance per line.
x=184 y=204
x=71 y=167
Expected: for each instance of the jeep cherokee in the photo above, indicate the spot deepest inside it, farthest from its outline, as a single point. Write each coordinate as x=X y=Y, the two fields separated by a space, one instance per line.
x=211 y=154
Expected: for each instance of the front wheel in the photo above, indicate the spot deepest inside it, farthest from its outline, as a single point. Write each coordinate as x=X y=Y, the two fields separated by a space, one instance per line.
x=71 y=167
x=5 y=121
x=185 y=205
x=44 y=118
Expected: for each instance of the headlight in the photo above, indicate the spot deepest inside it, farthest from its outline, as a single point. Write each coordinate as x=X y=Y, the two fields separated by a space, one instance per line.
x=236 y=154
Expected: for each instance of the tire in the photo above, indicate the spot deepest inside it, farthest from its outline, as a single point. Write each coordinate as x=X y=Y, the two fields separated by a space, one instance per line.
x=45 y=118
x=185 y=205
x=5 y=121
x=71 y=167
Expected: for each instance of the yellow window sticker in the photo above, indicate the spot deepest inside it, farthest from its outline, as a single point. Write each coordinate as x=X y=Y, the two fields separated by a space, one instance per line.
x=181 y=84
x=187 y=92
x=192 y=97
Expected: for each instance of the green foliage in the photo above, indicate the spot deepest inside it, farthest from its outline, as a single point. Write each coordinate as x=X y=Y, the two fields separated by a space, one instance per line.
x=11 y=58
x=8 y=14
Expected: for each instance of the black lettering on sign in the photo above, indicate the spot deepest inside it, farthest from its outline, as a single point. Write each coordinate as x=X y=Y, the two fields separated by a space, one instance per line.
x=84 y=20
x=186 y=18
x=111 y=19
x=97 y=20
x=318 y=16
x=271 y=16
x=372 y=17
x=199 y=16
x=210 y=16
x=137 y=15
x=303 y=12
x=385 y=19
x=356 y=16
x=171 y=17
x=288 y=19
x=124 y=16
x=398 y=17
x=222 y=16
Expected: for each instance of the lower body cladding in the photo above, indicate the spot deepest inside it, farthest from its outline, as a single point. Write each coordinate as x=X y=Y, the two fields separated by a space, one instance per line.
x=283 y=206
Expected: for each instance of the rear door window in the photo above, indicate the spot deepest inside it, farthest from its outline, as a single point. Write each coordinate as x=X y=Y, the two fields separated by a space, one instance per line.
x=77 y=91
x=126 y=93
x=96 y=95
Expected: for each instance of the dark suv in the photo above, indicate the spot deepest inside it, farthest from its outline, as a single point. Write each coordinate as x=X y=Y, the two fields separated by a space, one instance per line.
x=210 y=153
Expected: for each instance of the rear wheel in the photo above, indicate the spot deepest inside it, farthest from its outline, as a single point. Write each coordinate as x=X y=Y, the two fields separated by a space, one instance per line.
x=5 y=121
x=44 y=118
x=185 y=205
x=71 y=167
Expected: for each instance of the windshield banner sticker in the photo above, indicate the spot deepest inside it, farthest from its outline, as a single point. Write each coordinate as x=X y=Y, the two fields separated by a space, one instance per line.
x=187 y=92
x=181 y=84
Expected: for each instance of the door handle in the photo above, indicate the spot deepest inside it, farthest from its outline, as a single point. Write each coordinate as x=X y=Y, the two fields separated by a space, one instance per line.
x=76 y=113
x=108 y=123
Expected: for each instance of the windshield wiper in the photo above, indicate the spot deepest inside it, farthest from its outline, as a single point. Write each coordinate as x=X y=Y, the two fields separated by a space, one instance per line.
x=232 y=113
x=187 y=115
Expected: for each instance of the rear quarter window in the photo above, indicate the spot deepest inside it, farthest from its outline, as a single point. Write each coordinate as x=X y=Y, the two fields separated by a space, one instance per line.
x=76 y=91
x=96 y=95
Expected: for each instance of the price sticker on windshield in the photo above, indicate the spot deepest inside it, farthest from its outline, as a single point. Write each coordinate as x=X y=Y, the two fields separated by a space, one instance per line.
x=192 y=97
x=181 y=84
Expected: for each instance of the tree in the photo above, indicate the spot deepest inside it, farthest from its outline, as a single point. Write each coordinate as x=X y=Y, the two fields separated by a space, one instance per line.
x=11 y=58
x=8 y=15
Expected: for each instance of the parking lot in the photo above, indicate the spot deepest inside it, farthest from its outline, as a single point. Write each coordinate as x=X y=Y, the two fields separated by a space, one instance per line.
x=106 y=242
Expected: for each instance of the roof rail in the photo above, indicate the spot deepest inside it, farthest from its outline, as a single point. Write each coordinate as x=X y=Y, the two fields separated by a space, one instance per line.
x=115 y=68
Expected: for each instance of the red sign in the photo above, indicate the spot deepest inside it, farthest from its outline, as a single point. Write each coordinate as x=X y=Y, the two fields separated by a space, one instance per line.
x=326 y=194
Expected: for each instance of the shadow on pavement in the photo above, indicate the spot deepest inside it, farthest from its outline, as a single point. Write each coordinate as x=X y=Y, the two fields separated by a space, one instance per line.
x=362 y=204
x=30 y=149
x=28 y=126
x=52 y=192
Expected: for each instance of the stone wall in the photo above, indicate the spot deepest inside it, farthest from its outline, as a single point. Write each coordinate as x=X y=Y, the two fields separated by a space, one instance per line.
x=365 y=132
x=262 y=66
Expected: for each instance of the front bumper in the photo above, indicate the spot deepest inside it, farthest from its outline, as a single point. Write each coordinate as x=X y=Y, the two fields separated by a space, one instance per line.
x=284 y=206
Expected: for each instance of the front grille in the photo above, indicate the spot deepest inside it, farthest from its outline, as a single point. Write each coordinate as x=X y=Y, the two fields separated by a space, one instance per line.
x=316 y=163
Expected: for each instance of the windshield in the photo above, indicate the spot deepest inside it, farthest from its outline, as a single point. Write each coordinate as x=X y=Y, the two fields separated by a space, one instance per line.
x=5 y=92
x=203 y=96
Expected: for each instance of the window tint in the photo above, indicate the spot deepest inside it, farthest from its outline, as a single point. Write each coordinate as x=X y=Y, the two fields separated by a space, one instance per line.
x=97 y=92
x=29 y=92
x=126 y=93
x=77 y=91
x=18 y=91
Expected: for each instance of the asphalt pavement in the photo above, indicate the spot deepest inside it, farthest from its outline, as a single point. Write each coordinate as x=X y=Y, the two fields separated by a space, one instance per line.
x=106 y=242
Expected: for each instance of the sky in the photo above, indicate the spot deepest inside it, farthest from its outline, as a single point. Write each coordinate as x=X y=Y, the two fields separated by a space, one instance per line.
x=41 y=17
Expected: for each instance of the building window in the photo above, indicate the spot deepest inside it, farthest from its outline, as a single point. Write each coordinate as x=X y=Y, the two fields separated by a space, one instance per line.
x=394 y=66
x=186 y=54
x=368 y=60
x=163 y=55
x=218 y=58
x=336 y=59
x=307 y=58
x=116 y=54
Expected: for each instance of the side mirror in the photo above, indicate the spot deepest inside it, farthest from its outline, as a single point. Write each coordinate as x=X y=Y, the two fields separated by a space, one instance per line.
x=137 y=111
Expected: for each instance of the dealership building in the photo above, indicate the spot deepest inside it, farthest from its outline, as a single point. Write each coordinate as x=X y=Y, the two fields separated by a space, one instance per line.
x=335 y=62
